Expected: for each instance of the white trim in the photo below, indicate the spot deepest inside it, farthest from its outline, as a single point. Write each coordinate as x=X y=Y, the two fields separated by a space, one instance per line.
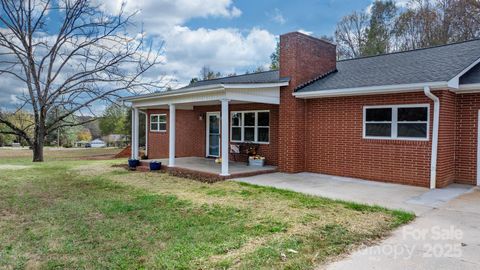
x=224 y=137
x=468 y=88
x=370 y=90
x=394 y=122
x=132 y=138
x=203 y=89
x=254 y=85
x=194 y=90
x=455 y=81
x=158 y=123
x=255 y=127
x=207 y=128
x=258 y=95
x=146 y=133
x=136 y=133
x=478 y=149
x=171 y=137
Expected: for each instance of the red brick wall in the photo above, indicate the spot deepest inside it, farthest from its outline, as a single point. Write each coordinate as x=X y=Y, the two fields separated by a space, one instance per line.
x=466 y=138
x=187 y=136
x=446 y=139
x=335 y=143
x=302 y=58
x=191 y=132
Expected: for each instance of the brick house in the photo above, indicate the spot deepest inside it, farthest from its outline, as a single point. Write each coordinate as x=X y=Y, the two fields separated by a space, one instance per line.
x=408 y=117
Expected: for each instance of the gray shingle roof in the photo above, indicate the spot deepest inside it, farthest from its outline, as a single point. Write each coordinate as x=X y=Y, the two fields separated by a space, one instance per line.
x=272 y=76
x=436 y=64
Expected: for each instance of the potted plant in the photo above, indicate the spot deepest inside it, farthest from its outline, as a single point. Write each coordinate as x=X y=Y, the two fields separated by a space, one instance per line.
x=155 y=165
x=256 y=160
x=133 y=164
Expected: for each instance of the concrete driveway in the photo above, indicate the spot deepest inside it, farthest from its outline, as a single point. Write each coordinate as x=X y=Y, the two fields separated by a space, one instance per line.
x=445 y=234
x=414 y=199
x=444 y=238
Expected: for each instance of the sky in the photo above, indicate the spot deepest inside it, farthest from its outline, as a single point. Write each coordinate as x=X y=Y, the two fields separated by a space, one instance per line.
x=228 y=36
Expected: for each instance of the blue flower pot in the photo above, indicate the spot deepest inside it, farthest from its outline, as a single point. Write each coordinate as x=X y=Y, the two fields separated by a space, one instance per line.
x=155 y=166
x=133 y=163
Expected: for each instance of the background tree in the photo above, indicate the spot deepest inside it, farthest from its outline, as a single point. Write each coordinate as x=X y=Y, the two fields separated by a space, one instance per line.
x=83 y=58
x=422 y=23
x=351 y=35
x=114 y=120
x=23 y=121
x=380 y=31
x=208 y=74
x=275 y=58
x=84 y=135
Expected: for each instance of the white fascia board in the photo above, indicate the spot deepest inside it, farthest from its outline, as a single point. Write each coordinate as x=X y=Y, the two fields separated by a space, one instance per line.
x=455 y=81
x=194 y=90
x=468 y=88
x=371 y=90
x=255 y=85
x=204 y=89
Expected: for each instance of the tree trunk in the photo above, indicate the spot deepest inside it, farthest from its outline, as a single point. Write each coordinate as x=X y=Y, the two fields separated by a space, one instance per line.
x=38 y=143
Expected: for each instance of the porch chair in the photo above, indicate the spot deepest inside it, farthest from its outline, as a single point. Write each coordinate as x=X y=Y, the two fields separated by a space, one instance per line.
x=243 y=150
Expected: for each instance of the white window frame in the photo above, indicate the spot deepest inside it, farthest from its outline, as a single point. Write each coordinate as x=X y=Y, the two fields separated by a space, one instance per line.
x=242 y=126
x=158 y=123
x=394 y=123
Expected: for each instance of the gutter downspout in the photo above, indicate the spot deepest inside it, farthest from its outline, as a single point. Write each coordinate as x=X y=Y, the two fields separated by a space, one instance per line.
x=436 y=122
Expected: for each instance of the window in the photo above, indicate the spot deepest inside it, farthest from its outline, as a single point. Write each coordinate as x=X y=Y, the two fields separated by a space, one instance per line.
x=250 y=126
x=158 y=122
x=409 y=122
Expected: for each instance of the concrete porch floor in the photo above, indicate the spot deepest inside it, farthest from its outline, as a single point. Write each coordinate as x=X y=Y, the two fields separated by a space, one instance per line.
x=208 y=165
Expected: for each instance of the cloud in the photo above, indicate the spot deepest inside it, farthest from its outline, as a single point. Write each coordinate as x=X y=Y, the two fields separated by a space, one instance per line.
x=224 y=50
x=227 y=50
x=303 y=31
x=277 y=16
x=159 y=15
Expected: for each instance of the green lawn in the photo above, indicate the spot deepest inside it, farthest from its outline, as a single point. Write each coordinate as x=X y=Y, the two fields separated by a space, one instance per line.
x=88 y=214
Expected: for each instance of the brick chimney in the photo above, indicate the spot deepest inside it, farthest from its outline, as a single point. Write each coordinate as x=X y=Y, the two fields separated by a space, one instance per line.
x=302 y=58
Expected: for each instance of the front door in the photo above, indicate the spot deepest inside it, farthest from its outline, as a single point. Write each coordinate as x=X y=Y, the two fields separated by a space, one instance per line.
x=213 y=134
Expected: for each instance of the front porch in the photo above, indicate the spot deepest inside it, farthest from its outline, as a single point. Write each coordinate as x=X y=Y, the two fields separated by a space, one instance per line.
x=188 y=130
x=206 y=167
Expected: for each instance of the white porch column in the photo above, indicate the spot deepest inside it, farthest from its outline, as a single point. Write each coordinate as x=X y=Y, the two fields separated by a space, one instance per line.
x=146 y=133
x=225 y=131
x=171 y=142
x=135 y=133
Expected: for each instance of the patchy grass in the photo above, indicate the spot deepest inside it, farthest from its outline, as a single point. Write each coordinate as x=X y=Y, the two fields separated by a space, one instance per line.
x=88 y=214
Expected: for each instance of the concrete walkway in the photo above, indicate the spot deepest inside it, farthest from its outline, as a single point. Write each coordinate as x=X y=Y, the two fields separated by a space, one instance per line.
x=414 y=199
x=445 y=235
x=444 y=238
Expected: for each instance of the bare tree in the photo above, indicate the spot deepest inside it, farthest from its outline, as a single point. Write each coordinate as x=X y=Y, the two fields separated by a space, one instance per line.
x=351 y=34
x=71 y=55
x=418 y=26
x=475 y=10
x=428 y=23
